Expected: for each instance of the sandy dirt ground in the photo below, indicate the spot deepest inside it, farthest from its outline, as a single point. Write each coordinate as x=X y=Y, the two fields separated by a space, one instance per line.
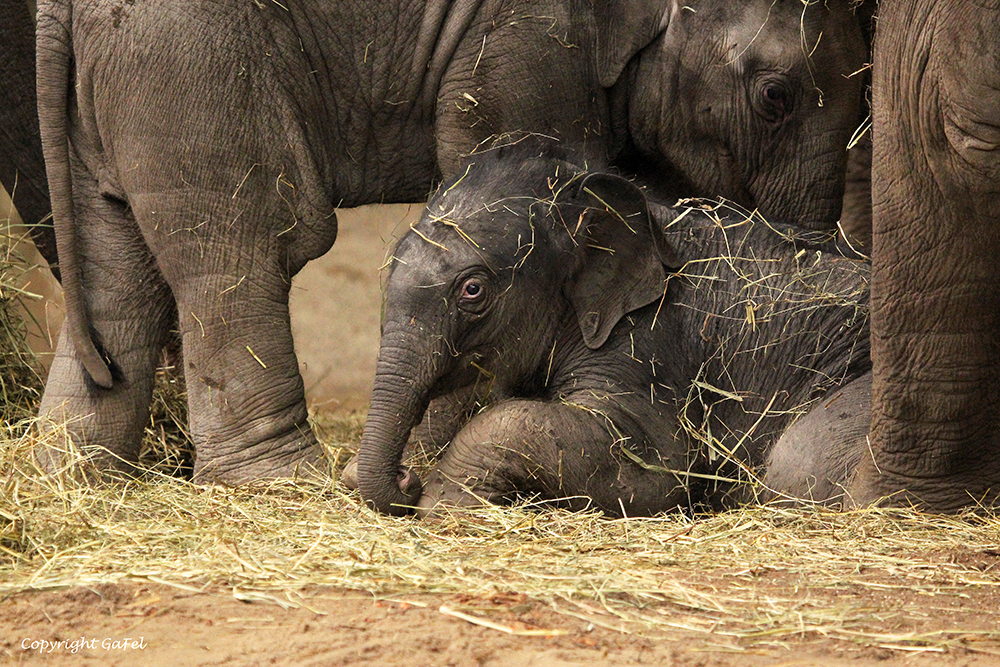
x=336 y=303
x=154 y=625
x=335 y=306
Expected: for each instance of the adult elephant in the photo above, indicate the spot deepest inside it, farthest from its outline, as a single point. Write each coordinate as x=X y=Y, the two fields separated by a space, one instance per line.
x=935 y=435
x=22 y=171
x=196 y=155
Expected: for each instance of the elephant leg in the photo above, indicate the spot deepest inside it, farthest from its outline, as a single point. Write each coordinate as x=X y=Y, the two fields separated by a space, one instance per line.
x=814 y=459
x=560 y=452
x=246 y=399
x=935 y=287
x=445 y=416
x=131 y=312
x=22 y=169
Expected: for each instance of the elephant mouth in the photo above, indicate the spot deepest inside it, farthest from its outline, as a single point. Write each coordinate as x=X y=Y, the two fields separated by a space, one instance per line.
x=469 y=370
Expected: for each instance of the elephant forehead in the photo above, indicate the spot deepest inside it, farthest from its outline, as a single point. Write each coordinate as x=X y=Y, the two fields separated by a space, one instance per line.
x=767 y=33
x=428 y=257
x=492 y=234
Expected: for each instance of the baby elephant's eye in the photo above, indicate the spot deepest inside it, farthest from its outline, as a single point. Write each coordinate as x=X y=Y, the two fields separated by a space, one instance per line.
x=472 y=289
x=472 y=294
x=777 y=95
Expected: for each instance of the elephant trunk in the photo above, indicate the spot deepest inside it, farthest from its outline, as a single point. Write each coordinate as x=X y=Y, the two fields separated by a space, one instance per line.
x=403 y=378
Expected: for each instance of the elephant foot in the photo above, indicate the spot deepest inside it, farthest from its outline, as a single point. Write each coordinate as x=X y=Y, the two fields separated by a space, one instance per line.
x=91 y=464
x=349 y=475
x=94 y=448
x=813 y=458
x=301 y=458
x=946 y=495
x=442 y=494
x=408 y=481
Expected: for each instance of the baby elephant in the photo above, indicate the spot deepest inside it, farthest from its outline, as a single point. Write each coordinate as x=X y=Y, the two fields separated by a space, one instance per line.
x=636 y=358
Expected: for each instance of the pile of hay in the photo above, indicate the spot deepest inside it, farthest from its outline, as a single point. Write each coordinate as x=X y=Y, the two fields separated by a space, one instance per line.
x=757 y=576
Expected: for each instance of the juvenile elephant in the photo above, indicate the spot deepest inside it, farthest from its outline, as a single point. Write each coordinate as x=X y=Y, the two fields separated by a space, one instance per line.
x=935 y=434
x=196 y=153
x=636 y=356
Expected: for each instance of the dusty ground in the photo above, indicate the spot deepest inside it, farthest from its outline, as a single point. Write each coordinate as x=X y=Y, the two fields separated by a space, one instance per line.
x=335 y=306
x=149 y=624
x=336 y=302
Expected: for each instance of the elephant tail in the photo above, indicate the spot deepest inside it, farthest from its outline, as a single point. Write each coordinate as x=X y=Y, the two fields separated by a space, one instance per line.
x=54 y=61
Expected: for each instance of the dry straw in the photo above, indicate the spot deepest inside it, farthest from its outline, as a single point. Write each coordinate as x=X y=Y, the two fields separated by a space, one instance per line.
x=20 y=383
x=744 y=578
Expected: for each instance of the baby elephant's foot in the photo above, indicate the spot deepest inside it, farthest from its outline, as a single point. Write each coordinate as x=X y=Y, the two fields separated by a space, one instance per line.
x=349 y=475
x=408 y=481
x=441 y=493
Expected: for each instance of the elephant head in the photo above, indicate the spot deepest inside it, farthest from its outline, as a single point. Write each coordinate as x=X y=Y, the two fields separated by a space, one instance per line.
x=750 y=100
x=564 y=264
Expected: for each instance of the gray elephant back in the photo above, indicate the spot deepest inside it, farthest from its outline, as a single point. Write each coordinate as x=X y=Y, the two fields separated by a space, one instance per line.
x=780 y=321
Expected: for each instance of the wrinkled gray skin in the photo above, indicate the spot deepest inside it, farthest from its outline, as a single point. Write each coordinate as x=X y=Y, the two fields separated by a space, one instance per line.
x=21 y=138
x=599 y=336
x=935 y=436
x=741 y=65
x=856 y=215
x=195 y=158
x=22 y=170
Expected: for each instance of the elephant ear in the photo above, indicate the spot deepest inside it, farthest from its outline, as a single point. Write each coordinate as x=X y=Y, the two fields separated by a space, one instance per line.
x=625 y=27
x=622 y=256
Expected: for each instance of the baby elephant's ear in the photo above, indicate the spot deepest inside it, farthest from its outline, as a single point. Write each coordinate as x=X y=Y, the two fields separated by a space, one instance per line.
x=623 y=255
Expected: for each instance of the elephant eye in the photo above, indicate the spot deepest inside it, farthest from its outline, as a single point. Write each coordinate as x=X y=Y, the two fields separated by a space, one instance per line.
x=471 y=292
x=775 y=94
x=775 y=100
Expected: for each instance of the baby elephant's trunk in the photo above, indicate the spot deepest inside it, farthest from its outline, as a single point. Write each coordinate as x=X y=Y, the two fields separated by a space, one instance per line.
x=399 y=399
